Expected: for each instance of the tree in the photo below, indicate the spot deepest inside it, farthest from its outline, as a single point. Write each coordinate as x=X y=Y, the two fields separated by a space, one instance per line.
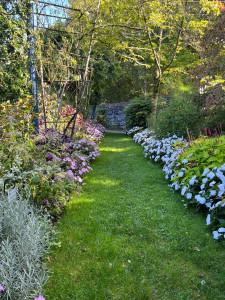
x=152 y=34
x=14 y=77
x=209 y=73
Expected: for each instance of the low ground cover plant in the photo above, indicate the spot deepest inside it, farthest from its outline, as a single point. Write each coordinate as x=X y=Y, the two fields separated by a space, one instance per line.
x=195 y=168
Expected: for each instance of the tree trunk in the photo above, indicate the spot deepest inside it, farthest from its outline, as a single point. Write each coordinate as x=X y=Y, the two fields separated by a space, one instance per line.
x=155 y=99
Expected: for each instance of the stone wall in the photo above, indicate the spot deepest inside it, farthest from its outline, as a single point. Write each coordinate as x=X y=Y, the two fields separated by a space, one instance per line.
x=115 y=117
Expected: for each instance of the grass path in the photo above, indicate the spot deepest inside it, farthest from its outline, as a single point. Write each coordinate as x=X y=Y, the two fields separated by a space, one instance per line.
x=129 y=236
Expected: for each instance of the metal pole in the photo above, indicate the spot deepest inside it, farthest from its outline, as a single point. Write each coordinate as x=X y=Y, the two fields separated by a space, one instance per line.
x=31 y=62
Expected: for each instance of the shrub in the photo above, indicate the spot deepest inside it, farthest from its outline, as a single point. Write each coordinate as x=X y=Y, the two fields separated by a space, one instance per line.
x=136 y=113
x=215 y=115
x=140 y=137
x=51 y=165
x=176 y=118
x=24 y=242
x=134 y=131
x=101 y=119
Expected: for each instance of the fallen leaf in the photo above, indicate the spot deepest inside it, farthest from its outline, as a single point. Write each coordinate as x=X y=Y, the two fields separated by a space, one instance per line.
x=201 y=275
x=49 y=260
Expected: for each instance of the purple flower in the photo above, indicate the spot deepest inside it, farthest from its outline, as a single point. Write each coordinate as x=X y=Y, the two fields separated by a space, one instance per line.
x=50 y=156
x=70 y=173
x=40 y=298
x=79 y=179
x=46 y=201
x=1 y=288
x=81 y=172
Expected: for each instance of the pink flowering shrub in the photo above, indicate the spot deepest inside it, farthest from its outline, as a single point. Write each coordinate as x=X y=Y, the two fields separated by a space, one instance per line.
x=88 y=148
x=55 y=165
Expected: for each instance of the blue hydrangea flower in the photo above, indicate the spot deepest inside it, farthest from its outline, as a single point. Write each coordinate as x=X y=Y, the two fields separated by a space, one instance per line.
x=206 y=171
x=208 y=220
x=200 y=199
x=211 y=175
x=192 y=181
x=189 y=195
x=204 y=180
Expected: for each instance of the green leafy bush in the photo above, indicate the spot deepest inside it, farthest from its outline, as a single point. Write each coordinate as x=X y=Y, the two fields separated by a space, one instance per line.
x=136 y=113
x=201 y=154
x=215 y=115
x=101 y=119
x=177 y=117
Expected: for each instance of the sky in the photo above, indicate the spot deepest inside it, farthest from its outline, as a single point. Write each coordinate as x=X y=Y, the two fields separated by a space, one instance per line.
x=51 y=10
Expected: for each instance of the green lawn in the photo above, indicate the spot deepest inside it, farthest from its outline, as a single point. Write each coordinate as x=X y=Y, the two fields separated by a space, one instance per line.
x=129 y=236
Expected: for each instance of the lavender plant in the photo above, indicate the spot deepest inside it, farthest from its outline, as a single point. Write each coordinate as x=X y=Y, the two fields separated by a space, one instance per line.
x=24 y=241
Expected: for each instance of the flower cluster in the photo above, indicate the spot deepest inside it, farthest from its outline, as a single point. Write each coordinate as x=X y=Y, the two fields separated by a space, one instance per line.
x=140 y=137
x=197 y=174
x=87 y=147
x=52 y=165
x=134 y=130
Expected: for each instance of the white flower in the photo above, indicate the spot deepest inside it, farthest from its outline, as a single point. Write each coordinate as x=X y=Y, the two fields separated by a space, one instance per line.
x=204 y=180
x=189 y=195
x=210 y=175
x=206 y=171
x=203 y=282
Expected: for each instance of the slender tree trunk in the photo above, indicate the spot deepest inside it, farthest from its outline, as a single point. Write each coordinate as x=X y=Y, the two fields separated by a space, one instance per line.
x=155 y=98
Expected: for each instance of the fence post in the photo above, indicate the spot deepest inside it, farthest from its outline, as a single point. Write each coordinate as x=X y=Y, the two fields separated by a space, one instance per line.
x=31 y=62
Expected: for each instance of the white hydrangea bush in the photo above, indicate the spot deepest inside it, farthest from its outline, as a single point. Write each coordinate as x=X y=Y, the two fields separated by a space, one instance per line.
x=140 y=137
x=134 y=130
x=24 y=242
x=205 y=189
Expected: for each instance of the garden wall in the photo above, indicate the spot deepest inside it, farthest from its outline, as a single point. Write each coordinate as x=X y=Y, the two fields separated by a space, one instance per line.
x=114 y=113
